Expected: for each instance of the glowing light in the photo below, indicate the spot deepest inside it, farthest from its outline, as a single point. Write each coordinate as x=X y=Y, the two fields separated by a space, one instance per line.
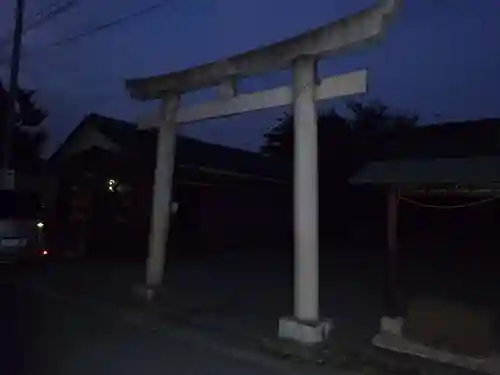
x=40 y=224
x=45 y=252
x=112 y=184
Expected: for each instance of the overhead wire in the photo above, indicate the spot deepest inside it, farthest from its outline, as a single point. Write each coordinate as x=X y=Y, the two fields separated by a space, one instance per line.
x=48 y=6
x=92 y=30
x=88 y=32
x=57 y=10
x=54 y=10
x=112 y=23
x=50 y=15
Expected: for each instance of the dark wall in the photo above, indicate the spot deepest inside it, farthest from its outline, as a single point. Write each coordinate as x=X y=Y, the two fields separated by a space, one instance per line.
x=246 y=217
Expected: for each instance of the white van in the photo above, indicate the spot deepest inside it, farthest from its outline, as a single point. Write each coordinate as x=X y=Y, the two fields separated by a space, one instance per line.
x=21 y=230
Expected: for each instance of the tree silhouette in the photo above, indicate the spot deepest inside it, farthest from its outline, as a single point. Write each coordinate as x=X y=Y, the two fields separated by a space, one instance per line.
x=28 y=113
x=334 y=160
x=27 y=137
x=345 y=144
x=377 y=130
x=279 y=140
x=351 y=139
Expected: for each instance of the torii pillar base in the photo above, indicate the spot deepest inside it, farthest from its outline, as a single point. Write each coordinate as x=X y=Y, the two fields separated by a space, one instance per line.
x=146 y=293
x=305 y=332
x=307 y=341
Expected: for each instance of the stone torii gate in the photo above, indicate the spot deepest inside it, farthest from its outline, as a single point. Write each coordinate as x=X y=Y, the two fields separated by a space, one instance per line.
x=301 y=54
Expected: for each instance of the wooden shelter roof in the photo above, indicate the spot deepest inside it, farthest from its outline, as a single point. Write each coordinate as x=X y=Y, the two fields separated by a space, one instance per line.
x=479 y=170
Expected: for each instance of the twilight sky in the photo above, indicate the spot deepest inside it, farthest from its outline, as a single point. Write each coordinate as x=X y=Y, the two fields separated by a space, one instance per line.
x=440 y=59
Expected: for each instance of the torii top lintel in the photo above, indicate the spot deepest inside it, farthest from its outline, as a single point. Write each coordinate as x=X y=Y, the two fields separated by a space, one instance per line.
x=364 y=26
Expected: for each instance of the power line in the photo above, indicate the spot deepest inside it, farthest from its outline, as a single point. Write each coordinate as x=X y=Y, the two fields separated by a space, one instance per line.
x=50 y=15
x=110 y=24
x=101 y=27
x=41 y=12
x=53 y=4
x=55 y=10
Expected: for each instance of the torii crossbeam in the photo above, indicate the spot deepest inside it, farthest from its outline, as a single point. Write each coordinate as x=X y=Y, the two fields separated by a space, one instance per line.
x=300 y=54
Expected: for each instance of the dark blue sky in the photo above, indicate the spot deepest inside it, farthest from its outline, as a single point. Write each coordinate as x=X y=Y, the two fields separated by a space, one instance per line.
x=440 y=57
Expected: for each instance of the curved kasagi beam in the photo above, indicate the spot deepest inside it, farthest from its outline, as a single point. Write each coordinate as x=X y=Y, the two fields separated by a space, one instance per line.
x=364 y=26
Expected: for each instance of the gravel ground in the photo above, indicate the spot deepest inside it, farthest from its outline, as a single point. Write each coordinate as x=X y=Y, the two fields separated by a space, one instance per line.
x=43 y=333
x=238 y=300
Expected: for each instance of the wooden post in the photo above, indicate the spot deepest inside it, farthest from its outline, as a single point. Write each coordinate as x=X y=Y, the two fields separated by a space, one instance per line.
x=393 y=299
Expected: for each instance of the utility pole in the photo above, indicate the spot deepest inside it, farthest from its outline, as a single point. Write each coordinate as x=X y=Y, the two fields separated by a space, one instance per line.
x=10 y=120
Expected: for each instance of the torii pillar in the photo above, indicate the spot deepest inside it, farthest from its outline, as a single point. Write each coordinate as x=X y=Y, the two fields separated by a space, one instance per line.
x=162 y=191
x=301 y=54
x=305 y=200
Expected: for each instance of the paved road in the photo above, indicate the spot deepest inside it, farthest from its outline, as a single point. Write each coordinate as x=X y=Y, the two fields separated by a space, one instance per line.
x=43 y=335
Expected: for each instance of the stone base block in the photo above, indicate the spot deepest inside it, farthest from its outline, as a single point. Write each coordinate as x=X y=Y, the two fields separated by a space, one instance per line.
x=309 y=333
x=391 y=325
x=145 y=292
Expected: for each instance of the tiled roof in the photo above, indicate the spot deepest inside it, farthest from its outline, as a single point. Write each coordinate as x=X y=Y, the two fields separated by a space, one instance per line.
x=118 y=131
x=190 y=152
